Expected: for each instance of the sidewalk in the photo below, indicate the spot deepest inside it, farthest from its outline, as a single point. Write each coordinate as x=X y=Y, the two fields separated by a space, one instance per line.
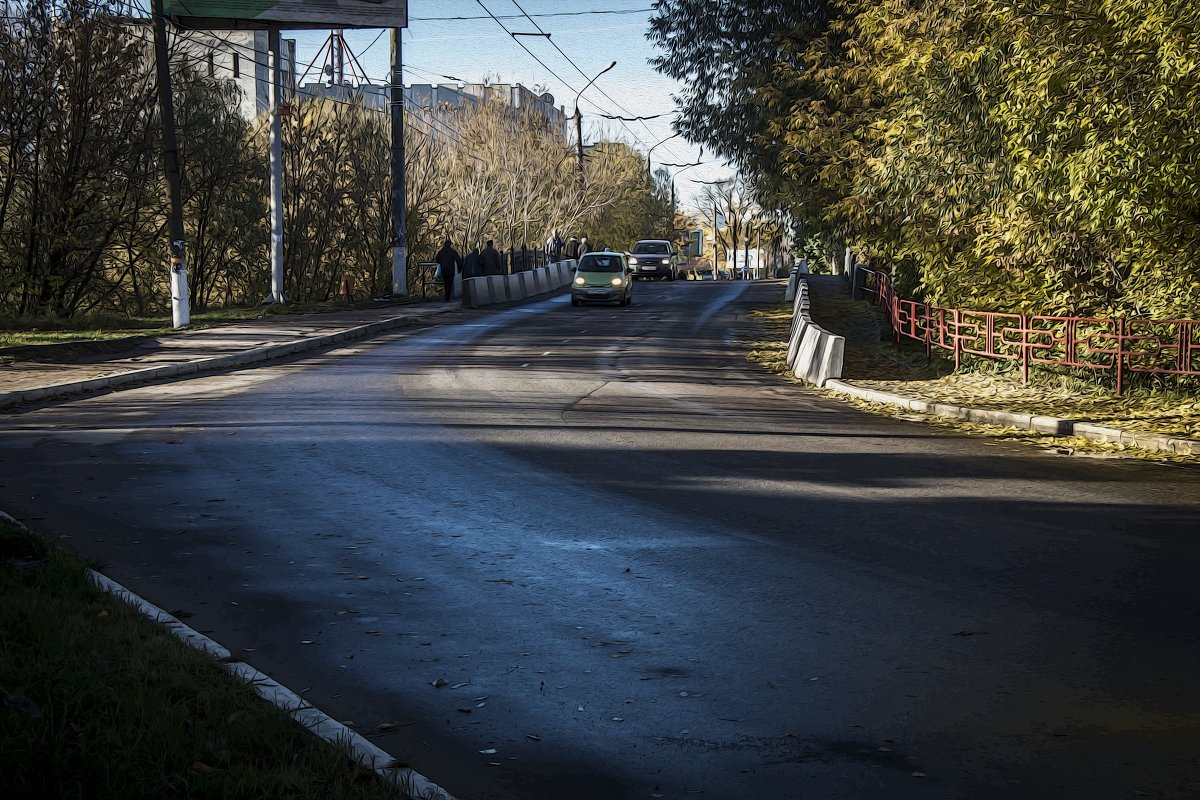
x=55 y=374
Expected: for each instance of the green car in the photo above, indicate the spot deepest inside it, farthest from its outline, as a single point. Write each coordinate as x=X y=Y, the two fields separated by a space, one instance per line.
x=602 y=277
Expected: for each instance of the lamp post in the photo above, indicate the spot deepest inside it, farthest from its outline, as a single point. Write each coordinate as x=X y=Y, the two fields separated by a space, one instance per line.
x=579 y=123
x=649 y=174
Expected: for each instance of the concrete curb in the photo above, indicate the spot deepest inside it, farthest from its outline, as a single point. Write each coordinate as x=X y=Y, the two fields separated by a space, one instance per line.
x=1054 y=426
x=246 y=357
x=317 y=722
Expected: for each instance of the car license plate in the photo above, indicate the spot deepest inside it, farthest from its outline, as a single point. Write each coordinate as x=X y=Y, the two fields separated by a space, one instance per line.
x=648 y=269
x=597 y=292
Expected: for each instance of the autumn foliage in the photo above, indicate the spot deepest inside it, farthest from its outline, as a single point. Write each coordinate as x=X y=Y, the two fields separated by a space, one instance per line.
x=1037 y=156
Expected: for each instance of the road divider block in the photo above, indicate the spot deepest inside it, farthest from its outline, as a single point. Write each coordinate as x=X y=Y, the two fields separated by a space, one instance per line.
x=814 y=354
x=493 y=289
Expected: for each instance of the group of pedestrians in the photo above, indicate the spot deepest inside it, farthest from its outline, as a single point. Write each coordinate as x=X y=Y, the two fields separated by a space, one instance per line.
x=477 y=263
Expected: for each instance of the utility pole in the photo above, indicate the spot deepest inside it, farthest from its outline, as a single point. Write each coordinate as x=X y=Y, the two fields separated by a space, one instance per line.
x=399 y=194
x=578 y=146
x=274 y=100
x=716 y=238
x=180 y=309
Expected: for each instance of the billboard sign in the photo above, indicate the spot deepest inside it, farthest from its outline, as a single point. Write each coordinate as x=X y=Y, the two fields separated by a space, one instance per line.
x=288 y=13
x=695 y=246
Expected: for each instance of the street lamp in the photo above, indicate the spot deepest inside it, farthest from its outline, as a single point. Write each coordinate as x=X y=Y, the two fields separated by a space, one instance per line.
x=579 y=122
x=651 y=150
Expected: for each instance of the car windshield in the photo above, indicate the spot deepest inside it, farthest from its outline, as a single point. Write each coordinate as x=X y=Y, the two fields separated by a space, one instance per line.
x=652 y=248
x=599 y=262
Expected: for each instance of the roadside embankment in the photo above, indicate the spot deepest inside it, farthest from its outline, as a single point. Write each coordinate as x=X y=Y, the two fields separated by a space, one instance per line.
x=1059 y=410
x=99 y=701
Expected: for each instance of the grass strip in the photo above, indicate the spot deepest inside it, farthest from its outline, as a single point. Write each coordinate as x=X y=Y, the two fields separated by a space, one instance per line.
x=97 y=702
x=876 y=364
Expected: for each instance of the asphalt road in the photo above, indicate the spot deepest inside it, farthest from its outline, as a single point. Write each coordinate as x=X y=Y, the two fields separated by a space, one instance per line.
x=646 y=568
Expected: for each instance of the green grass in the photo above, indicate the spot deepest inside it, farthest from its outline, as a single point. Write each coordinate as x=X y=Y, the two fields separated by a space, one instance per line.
x=99 y=702
x=869 y=362
x=19 y=332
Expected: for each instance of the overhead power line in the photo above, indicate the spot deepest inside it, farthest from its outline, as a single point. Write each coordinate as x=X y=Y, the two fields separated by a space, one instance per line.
x=637 y=119
x=628 y=114
x=543 y=14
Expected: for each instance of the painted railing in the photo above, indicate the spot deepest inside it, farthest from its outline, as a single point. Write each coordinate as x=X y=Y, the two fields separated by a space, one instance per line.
x=1117 y=345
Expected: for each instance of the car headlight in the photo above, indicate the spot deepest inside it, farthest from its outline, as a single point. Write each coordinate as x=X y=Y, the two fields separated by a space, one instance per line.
x=632 y=260
x=618 y=281
x=579 y=281
x=666 y=261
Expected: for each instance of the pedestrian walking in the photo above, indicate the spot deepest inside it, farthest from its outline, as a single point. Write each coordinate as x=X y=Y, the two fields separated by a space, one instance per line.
x=572 y=248
x=584 y=245
x=472 y=264
x=491 y=259
x=449 y=262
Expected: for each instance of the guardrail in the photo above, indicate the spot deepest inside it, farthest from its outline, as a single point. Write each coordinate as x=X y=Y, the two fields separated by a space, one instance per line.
x=1106 y=344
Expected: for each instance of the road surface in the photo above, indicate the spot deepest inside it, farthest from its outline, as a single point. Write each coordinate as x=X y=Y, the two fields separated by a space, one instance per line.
x=644 y=567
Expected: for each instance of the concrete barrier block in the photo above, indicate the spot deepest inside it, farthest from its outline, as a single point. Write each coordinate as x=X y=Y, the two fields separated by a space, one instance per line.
x=812 y=372
x=809 y=342
x=512 y=287
x=498 y=288
x=832 y=356
x=476 y=293
x=794 y=341
x=527 y=284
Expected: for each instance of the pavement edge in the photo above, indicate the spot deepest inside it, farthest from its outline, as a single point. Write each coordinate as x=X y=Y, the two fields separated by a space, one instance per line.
x=122 y=380
x=312 y=719
x=1053 y=426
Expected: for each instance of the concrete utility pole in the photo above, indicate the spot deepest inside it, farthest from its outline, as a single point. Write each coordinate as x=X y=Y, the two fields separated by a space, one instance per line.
x=579 y=146
x=399 y=193
x=180 y=308
x=274 y=100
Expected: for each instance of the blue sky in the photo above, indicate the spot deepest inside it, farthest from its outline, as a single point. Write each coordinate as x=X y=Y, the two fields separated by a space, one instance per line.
x=478 y=48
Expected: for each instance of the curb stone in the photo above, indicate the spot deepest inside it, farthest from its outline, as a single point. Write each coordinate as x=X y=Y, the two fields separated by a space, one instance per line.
x=1054 y=426
x=315 y=721
x=246 y=357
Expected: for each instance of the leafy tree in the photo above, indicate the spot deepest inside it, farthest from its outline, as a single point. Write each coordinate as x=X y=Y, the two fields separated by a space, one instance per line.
x=75 y=134
x=1036 y=155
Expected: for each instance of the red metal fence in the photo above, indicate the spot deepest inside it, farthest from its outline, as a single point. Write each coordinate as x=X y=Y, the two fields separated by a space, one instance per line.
x=1123 y=346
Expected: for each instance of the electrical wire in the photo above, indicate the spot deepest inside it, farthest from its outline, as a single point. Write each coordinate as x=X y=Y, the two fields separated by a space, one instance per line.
x=629 y=114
